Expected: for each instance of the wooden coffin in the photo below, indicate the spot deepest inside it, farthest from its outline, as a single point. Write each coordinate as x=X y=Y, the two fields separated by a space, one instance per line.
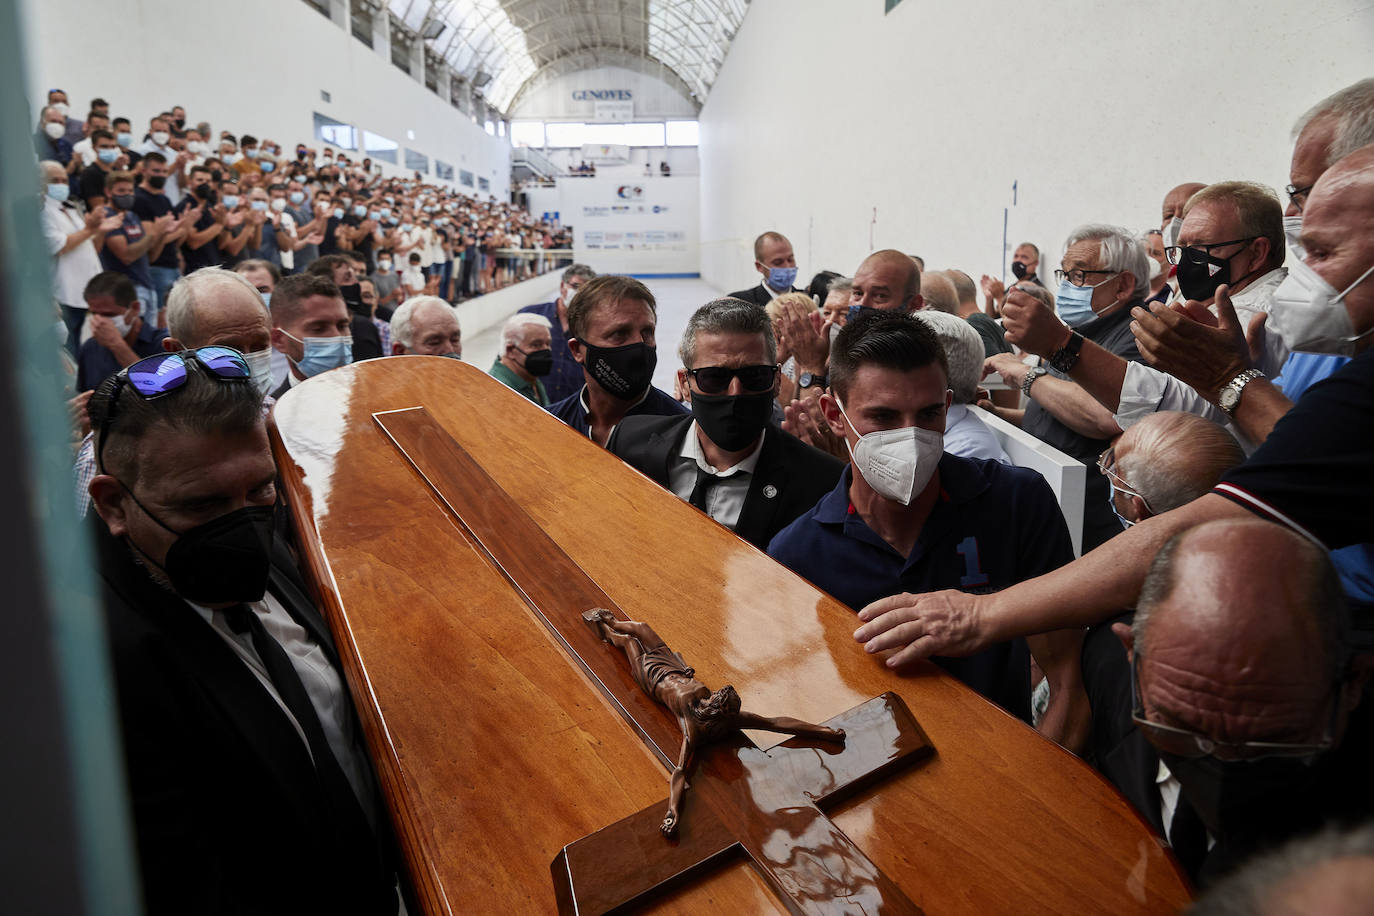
x=498 y=744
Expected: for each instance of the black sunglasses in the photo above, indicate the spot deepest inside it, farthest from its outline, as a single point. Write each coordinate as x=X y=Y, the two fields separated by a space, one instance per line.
x=160 y=375
x=716 y=379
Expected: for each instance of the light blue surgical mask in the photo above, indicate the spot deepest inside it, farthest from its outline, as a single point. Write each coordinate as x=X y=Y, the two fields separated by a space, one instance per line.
x=231 y=201
x=297 y=197
x=386 y=213
x=359 y=210
x=107 y=156
x=59 y=192
x=251 y=153
x=406 y=227
x=322 y=353
x=1111 y=501
x=266 y=298
x=338 y=212
x=781 y=277
x=1075 y=303
x=124 y=139
x=258 y=204
x=267 y=165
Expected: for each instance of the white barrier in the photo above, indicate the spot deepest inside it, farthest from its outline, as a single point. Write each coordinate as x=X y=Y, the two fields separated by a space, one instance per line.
x=489 y=310
x=1066 y=475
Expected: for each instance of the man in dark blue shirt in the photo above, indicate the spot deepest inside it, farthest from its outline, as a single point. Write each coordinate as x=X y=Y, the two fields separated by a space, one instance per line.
x=565 y=379
x=611 y=323
x=906 y=516
x=119 y=335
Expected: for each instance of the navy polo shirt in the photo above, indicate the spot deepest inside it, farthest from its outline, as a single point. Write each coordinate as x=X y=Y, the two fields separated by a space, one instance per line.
x=572 y=411
x=94 y=363
x=993 y=525
x=565 y=380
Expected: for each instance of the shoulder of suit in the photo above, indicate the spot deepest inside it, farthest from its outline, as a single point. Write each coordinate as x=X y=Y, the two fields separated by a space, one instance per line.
x=637 y=428
x=798 y=451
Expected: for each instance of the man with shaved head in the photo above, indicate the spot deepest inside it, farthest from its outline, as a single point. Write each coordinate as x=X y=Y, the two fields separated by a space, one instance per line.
x=938 y=292
x=773 y=258
x=1253 y=719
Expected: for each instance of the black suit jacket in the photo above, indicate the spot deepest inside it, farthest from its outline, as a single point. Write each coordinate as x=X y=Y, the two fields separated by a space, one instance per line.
x=757 y=294
x=796 y=474
x=367 y=343
x=228 y=811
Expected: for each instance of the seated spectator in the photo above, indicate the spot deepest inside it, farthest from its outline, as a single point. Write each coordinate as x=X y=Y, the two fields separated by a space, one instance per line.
x=119 y=337
x=72 y=237
x=235 y=754
x=565 y=379
x=725 y=458
x=939 y=293
x=965 y=434
x=526 y=356
x=311 y=326
x=426 y=326
x=367 y=342
x=980 y=525
x=611 y=322
x=1246 y=763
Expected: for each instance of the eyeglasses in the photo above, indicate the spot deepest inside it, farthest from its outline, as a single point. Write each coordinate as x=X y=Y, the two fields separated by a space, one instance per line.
x=1106 y=463
x=160 y=375
x=1190 y=745
x=1298 y=196
x=1199 y=254
x=1078 y=277
x=716 y=379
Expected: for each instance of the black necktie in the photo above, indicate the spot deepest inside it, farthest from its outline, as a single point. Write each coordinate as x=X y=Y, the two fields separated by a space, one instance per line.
x=1188 y=837
x=705 y=480
x=338 y=792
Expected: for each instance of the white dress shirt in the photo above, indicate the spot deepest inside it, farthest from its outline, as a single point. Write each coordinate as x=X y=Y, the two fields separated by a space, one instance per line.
x=725 y=498
x=969 y=437
x=73 y=270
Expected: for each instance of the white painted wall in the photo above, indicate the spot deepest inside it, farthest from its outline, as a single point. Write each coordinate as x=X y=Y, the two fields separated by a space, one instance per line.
x=683 y=160
x=254 y=66
x=627 y=226
x=928 y=114
x=653 y=98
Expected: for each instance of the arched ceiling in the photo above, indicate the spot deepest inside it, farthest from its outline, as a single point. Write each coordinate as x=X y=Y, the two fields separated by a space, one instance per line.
x=506 y=47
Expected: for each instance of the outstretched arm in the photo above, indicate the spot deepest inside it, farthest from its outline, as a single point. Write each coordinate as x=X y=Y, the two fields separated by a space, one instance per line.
x=789 y=726
x=677 y=784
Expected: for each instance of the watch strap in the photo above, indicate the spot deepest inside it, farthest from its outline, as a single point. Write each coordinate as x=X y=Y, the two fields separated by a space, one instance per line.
x=1237 y=387
x=1066 y=356
x=1033 y=374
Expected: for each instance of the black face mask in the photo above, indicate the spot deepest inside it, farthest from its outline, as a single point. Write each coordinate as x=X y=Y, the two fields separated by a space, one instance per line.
x=227 y=559
x=624 y=372
x=1018 y=270
x=353 y=296
x=156 y=182
x=123 y=201
x=1235 y=798
x=538 y=362
x=216 y=175
x=1199 y=282
x=205 y=193
x=732 y=421
x=180 y=123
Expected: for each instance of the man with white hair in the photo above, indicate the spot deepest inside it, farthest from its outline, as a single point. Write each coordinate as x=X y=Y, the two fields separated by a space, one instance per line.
x=1103 y=275
x=965 y=434
x=426 y=326
x=939 y=293
x=210 y=307
x=526 y=355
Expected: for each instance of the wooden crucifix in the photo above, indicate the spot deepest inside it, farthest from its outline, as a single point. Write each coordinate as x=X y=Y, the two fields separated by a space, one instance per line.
x=765 y=804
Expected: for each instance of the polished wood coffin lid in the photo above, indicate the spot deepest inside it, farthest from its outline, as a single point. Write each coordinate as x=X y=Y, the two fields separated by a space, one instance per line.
x=495 y=749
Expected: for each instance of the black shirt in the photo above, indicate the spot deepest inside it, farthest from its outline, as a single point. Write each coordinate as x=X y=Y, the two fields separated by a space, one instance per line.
x=92 y=182
x=148 y=207
x=330 y=245
x=1313 y=472
x=1112 y=333
x=206 y=255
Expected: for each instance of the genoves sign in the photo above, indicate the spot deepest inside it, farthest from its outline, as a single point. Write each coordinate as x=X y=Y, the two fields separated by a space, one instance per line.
x=602 y=95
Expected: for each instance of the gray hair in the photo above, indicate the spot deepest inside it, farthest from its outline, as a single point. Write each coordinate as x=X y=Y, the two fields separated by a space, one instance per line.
x=405 y=314
x=1324 y=597
x=1353 y=109
x=939 y=292
x=1175 y=457
x=728 y=316
x=578 y=270
x=515 y=325
x=1120 y=250
x=964 y=351
x=1252 y=888
x=49 y=165
x=190 y=293
x=839 y=285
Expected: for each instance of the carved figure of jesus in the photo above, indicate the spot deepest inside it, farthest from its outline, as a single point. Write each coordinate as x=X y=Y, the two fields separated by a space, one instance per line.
x=703 y=714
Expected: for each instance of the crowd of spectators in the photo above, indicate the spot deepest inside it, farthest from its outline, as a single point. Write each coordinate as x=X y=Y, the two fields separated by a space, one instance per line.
x=1208 y=653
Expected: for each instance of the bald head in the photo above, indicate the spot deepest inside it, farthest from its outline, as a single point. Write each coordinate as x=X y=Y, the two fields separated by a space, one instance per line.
x=1171 y=458
x=213 y=306
x=938 y=291
x=1175 y=200
x=887 y=280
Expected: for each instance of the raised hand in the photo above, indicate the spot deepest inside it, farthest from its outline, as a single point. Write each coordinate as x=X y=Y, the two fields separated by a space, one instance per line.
x=1189 y=343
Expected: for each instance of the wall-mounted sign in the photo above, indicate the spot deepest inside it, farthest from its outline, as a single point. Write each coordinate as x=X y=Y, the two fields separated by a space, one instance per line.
x=602 y=95
x=614 y=111
x=605 y=154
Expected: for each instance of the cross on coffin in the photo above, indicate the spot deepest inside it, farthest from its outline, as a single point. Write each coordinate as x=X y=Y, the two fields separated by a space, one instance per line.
x=767 y=804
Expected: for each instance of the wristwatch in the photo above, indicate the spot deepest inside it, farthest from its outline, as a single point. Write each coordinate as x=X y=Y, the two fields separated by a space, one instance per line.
x=1229 y=396
x=809 y=380
x=1030 y=378
x=1066 y=356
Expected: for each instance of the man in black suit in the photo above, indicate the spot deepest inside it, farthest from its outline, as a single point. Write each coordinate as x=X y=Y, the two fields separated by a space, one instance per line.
x=725 y=458
x=312 y=326
x=773 y=258
x=249 y=785
x=1245 y=689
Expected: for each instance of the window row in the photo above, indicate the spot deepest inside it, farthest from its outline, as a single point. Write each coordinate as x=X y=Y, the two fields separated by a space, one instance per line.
x=382 y=149
x=559 y=134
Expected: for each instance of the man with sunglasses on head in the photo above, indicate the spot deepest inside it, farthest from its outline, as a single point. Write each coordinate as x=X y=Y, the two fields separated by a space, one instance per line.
x=249 y=785
x=1253 y=726
x=611 y=325
x=726 y=458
